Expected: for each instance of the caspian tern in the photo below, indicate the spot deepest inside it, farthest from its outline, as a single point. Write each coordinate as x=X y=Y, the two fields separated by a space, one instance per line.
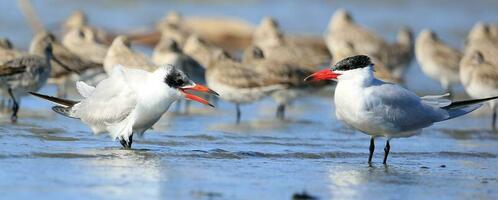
x=382 y=109
x=129 y=102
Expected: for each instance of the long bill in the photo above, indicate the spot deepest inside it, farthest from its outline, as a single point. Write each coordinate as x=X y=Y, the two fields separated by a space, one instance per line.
x=65 y=66
x=325 y=74
x=199 y=88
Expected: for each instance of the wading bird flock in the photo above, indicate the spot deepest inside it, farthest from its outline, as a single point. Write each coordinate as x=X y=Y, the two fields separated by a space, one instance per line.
x=125 y=92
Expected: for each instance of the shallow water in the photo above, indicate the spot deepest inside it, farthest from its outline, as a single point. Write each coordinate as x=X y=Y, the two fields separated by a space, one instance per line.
x=205 y=156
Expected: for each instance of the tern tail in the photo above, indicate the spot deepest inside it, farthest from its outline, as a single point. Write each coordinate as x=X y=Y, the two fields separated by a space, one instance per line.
x=64 y=105
x=459 y=108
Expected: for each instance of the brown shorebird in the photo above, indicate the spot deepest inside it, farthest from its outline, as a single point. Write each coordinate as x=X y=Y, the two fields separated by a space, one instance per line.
x=28 y=73
x=200 y=50
x=168 y=52
x=120 y=53
x=438 y=60
x=236 y=82
x=289 y=76
x=66 y=63
x=271 y=40
x=82 y=42
x=480 y=78
x=394 y=57
x=78 y=19
x=401 y=53
x=7 y=51
x=481 y=39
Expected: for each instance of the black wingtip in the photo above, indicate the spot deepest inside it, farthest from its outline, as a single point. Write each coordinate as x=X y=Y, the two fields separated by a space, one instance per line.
x=457 y=104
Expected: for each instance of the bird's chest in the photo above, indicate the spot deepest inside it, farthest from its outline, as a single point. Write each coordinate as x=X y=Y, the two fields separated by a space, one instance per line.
x=353 y=108
x=149 y=110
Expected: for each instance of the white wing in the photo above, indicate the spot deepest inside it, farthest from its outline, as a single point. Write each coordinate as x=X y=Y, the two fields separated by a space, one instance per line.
x=84 y=89
x=112 y=100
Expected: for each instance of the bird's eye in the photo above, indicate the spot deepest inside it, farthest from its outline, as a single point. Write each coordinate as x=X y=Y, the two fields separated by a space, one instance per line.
x=81 y=34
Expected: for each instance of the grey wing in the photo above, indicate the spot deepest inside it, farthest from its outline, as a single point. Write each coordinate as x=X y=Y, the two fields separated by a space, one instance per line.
x=110 y=102
x=401 y=108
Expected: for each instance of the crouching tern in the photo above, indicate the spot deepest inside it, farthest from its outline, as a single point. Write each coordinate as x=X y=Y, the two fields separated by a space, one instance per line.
x=129 y=101
x=381 y=109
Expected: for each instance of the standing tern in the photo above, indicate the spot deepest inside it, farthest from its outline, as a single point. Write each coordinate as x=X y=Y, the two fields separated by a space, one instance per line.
x=129 y=101
x=381 y=109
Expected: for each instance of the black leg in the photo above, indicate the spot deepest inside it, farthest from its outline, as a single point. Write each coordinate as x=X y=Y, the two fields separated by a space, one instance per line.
x=125 y=144
x=15 y=107
x=493 y=120
x=386 y=151
x=237 y=106
x=130 y=141
x=281 y=111
x=372 y=148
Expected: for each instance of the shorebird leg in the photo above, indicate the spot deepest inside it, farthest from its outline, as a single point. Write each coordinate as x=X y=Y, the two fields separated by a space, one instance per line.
x=15 y=106
x=386 y=151
x=281 y=111
x=237 y=107
x=493 y=120
x=372 y=148
x=187 y=107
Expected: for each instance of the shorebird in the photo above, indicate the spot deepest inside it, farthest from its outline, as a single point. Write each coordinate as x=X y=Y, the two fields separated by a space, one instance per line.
x=271 y=40
x=438 y=60
x=78 y=19
x=381 y=109
x=82 y=42
x=394 y=57
x=7 y=51
x=200 y=50
x=167 y=51
x=480 y=79
x=33 y=72
x=289 y=76
x=129 y=102
x=237 y=83
x=343 y=28
x=120 y=53
x=401 y=53
x=481 y=39
x=67 y=63
x=344 y=49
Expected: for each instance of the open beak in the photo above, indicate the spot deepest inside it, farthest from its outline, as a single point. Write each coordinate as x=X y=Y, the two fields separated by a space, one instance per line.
x=199 y=88
x=65 y=66
x=325 y=74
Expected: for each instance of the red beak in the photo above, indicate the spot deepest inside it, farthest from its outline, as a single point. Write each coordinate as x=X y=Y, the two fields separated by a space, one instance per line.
x=199 y=88
x=325 y=74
